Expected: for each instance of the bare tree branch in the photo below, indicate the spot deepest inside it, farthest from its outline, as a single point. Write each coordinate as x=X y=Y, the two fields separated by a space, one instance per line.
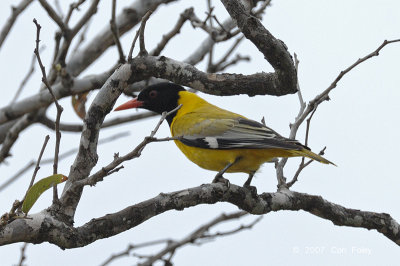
x=198 y=234
x=27 y=76
x=60 y=157
x=13 y=133
x=44 y=98
x=17 y=175
x=53 y=14
x=87 y=156
x=166 y=68
x=194 y=238
x=58 y=106
x=72 y=7
x=313 y=104
x=274 y=50
x=113 y=122
x=44 y=227
x=143 y=51
x=11 y=20
x=132 y=247
x=136 y=152
x=167 y=37
x=115 y=32
x=17 y=204
x=23 y=256
x=130 y=16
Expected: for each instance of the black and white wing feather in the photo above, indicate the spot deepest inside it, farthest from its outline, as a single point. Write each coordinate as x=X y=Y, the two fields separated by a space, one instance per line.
x=232 y=133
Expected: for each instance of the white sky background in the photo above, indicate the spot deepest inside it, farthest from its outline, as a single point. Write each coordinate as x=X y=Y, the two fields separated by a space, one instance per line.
x=359 y=126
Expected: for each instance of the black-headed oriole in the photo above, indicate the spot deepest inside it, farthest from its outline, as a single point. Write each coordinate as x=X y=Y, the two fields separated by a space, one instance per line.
x=214 y=138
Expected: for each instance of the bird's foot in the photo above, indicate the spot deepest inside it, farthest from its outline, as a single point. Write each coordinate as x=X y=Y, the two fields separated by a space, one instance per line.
x=253 y=189
x=220 y=179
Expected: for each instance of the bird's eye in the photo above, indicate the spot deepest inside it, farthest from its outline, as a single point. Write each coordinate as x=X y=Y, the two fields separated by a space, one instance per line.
x=153 y=94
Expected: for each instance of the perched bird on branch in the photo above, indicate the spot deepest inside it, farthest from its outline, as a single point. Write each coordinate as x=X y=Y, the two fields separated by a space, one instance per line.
x=214 y=138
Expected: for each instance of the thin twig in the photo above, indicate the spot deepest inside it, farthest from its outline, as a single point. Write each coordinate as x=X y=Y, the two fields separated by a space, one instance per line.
x=193 y=238
x=115 y=32
x=58 y=106
x=13 y=133
x=11 y=20
x=211 y=53
x=17 y=175
x=200 y=233
x=217 y=65
x=308 y=123
x=81 y=37
x=232 y=62
x=167 y=37
x=37 y=167
x=85 y=18
x=143 y=51
x=112 y=122
x=72 y=7
x=133 y=46
x=282 y=162
x=301 y=167
x=219 y=24
x=324 y=96
x=58 y=8
x=53 y=14
x=60 y=157
x=135 y=153
x=262 y=8
x=17 y=204
x=70 y=34
x=23 y=256
x=299 y=94
x=27 y=76
x=236 y=230
x=131 y=247
x=56 y=50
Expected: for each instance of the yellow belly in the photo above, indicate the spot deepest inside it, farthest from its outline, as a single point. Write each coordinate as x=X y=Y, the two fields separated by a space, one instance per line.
x=216 y=160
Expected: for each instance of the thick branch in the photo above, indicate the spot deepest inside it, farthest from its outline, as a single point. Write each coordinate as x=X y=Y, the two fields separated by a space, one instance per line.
x=87 y=156
x=125 y=21
x=274 y=50
x=44 y=98
x=43 y=227
x=161 y=67
x=216 y=84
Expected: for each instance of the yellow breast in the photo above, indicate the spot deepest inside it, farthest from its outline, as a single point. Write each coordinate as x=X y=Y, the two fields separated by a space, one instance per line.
x=185 y=123
x=216 y=160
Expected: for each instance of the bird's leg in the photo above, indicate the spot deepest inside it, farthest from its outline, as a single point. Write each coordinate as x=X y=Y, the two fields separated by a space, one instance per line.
x=248 y=181
x=220 y=178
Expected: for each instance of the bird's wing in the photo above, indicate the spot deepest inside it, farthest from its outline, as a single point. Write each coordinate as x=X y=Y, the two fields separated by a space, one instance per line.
x=222 y=131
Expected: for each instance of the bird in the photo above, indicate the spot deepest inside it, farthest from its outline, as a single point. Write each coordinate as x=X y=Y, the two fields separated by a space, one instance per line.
x=216 y=139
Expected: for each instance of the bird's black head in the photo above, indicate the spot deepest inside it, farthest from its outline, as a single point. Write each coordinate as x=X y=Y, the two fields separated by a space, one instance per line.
x=159 y=98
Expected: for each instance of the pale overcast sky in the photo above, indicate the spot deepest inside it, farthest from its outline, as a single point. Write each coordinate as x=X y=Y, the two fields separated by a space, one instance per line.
x=359 y=126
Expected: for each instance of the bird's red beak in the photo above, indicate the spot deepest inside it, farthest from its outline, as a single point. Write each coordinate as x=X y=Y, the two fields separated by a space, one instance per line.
x=134 y=103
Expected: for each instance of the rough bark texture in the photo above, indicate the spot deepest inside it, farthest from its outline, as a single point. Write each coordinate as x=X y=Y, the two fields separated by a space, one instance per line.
x=44 y=227
x=55 y=224
x=274 y=50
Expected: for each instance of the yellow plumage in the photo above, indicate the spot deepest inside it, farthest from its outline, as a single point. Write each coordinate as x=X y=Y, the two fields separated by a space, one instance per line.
x=214 y=138
x=198 y=117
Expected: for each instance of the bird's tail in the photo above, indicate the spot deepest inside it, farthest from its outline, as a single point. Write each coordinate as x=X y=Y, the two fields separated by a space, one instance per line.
x=312 y=155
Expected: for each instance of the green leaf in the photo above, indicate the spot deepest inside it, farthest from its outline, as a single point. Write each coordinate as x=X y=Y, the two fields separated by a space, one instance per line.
x=38 y=188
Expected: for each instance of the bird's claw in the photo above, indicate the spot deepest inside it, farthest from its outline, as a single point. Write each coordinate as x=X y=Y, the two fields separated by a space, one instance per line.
x=253 y=189
x=220 y=179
